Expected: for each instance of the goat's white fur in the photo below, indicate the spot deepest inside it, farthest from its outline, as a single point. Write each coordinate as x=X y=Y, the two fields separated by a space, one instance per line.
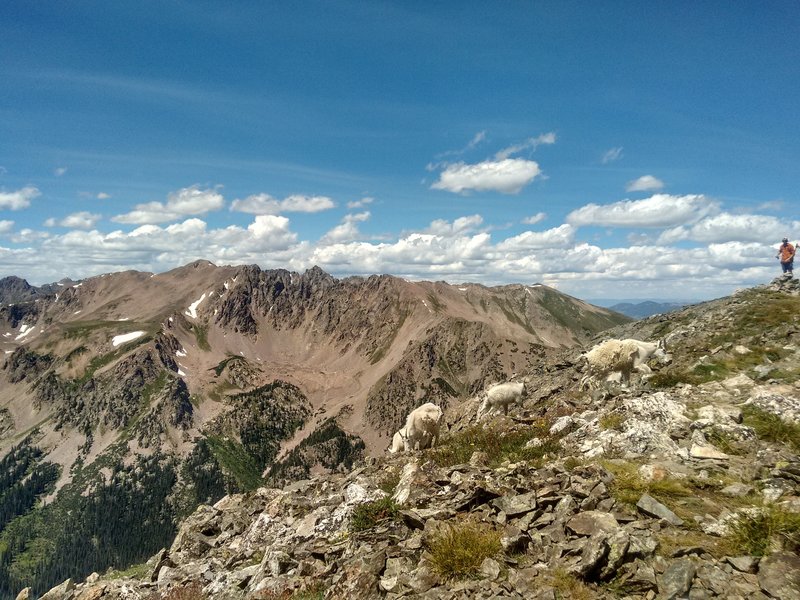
x=501 y=395
x=421 y=429
x=622 y=357
x=398 y=443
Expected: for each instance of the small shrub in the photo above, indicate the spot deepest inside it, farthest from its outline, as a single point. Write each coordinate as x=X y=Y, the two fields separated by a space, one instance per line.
x=757 y=534
x=458 y=551
x=367 y=515
x=770 y=427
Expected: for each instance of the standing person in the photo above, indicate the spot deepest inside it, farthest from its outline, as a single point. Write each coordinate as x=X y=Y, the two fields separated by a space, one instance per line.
x=786 y=254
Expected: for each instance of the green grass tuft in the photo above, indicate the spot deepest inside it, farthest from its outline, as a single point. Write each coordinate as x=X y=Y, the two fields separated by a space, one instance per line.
x=770 y=427
x=369 y=514
x=628 y=486
x=497 y=443
x=771 y=529
x=458 y=551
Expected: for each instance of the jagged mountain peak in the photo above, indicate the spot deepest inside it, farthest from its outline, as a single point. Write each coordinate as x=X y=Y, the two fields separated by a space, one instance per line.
x=221 y=376
x=676 y=486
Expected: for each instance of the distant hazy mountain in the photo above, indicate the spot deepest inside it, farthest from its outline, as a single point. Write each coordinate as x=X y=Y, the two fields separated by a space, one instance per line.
x=641 y=310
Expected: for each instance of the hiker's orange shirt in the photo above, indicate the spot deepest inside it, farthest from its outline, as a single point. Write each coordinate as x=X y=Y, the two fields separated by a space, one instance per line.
x=787 y=252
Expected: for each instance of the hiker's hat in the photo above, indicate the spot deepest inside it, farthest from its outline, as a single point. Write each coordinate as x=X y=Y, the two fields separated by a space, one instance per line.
x=785 y=239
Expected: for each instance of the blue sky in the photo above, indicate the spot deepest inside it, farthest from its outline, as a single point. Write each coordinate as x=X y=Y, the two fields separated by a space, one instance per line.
x=613 y=150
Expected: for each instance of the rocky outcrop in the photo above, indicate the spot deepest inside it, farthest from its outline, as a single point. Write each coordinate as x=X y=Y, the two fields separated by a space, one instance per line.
x=455 y=360
x=15 y=289
x=25 y=365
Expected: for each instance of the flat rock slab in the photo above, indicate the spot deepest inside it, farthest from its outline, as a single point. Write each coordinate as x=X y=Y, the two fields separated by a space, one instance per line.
x=698 y=451
x=779 y=575
x=653 y=508
x=592 y=521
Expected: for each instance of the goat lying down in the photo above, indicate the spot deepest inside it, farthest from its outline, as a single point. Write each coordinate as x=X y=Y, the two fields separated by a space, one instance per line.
x=621 y=357
x=420 y=431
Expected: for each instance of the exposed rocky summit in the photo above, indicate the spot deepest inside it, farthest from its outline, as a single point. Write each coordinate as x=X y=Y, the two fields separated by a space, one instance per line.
x=683 y=485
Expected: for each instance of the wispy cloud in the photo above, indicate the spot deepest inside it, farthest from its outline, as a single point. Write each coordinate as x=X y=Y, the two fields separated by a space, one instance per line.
x=533 y=219
x=611 y=155
x=103 y=196
x=6 y=226
x=645 y=183
x=366 y=201
x=472 y=144
x=529 y=144
x=59 y=171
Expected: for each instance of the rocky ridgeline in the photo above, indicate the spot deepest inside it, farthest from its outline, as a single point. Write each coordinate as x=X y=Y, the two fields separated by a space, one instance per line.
x=684 y=487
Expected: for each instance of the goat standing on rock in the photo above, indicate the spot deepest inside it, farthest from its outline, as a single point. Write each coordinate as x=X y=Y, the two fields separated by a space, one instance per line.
x=501 y=395
x=420 y=431
x=623 y=357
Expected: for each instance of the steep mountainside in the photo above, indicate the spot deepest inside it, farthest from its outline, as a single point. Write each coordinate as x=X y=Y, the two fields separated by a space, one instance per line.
x=686 y=485
x=683 y=485
x=160 y=392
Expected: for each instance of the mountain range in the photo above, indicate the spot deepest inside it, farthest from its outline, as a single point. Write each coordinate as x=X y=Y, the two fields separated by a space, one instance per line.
x=130 y=398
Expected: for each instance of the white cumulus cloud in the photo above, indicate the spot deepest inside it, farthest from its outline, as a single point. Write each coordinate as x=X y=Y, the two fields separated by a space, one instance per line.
x=103 y=196
x=347 y=230
x=6 y=226
x=19 y=199
x=558 y=237
x=264 y=204
x=459 y=226
x=507 y=176
x=726 y=227
x=187 y=201
x=645 y=183
x=79 y=220
x=660 y=210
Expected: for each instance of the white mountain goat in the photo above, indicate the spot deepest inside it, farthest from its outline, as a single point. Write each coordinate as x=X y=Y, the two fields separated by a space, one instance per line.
x=398 y=443
x=502 y=395
x=421 y=429
x=622 y=357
